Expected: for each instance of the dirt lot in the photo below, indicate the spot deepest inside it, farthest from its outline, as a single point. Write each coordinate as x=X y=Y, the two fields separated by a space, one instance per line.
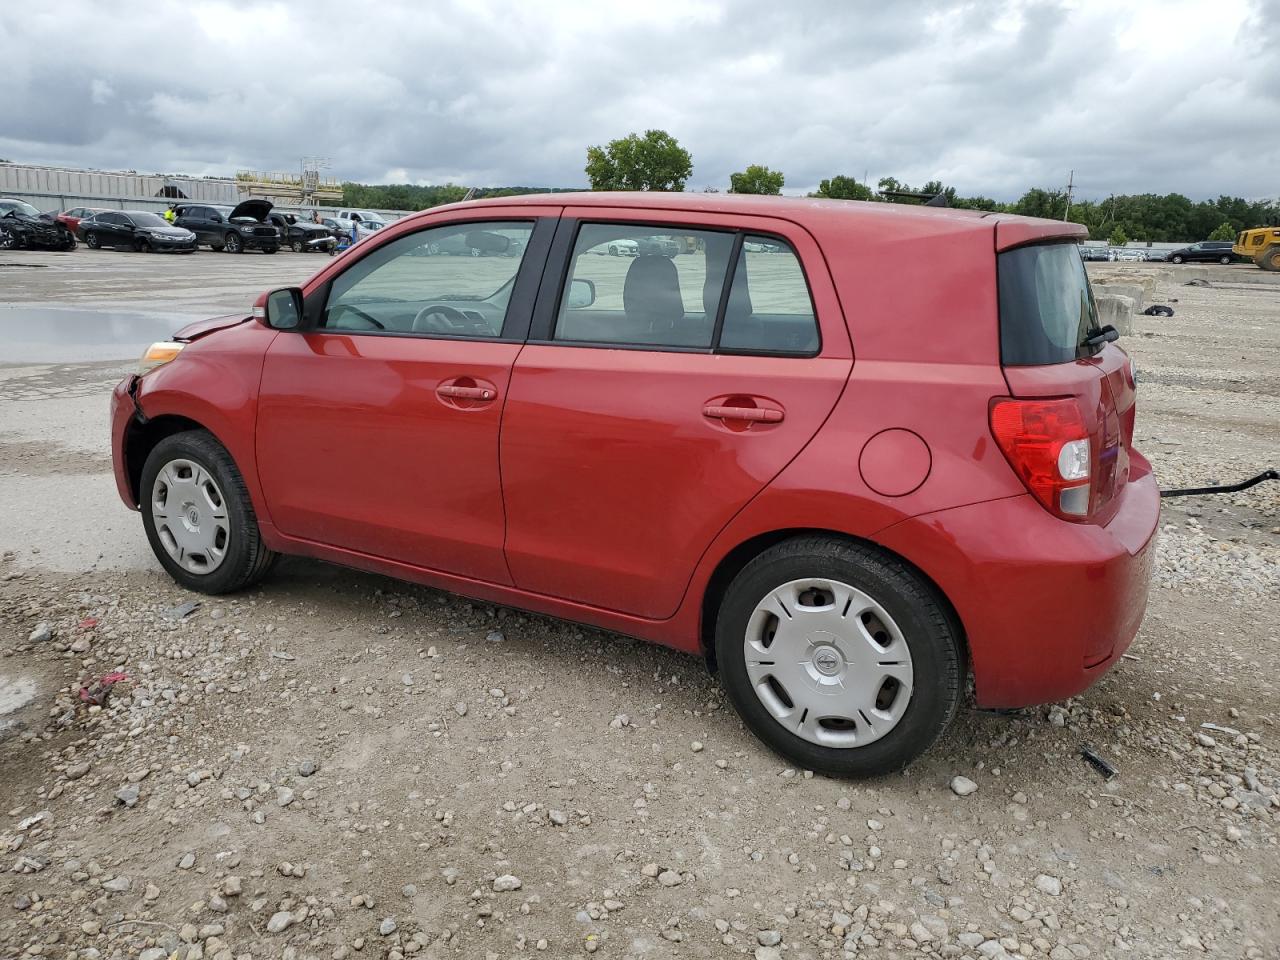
x=341 y=766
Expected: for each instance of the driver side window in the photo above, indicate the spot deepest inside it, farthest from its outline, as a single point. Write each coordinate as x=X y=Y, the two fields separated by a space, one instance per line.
x=452 y=281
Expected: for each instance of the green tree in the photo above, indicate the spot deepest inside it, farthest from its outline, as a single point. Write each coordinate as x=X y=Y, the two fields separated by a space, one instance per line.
x=1118 y=237
x=843 y=188
x=655 y=161
x=1223 y=232
x=757 y=179
x=1050 y=204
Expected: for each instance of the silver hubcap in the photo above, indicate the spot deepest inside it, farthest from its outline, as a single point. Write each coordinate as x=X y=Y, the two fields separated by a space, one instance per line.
x=190 y=516
x=828 y=663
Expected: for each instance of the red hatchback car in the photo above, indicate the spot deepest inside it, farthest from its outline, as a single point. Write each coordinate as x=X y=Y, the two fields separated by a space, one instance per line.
x=847 y=452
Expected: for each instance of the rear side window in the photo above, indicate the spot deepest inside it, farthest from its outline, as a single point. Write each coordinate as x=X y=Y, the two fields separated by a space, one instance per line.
x=644 y=286
x=1046 y=307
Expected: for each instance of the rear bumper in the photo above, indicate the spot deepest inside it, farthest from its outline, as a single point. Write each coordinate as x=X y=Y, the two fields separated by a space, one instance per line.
x=1047 y=606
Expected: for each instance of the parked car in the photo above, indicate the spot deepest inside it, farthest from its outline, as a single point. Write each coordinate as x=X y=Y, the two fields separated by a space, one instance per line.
x=138 y=230
x=233 y=229
x=301 y=235
x=618 y=247
x=1130 y=255
x=22 y=226
x=1155 y=256
x=712 y=471
x=71 y=218
x=364 y=222
x=1210 y=251
x=1094 y=253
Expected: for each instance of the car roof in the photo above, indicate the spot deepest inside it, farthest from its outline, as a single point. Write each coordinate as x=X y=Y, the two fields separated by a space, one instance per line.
x=811 y=212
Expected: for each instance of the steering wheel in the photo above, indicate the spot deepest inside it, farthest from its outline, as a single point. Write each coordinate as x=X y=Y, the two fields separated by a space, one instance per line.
x=438 y=318
x=361 y=314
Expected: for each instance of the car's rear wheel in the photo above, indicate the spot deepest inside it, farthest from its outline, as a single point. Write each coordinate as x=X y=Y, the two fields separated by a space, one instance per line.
x=838 y=656
x=1224 y=260
x=296 y=246
x=91 y=240
x=232 y=243
x=198 y=516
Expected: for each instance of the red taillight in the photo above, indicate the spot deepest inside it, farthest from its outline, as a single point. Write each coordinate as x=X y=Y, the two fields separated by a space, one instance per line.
x=1047 y=444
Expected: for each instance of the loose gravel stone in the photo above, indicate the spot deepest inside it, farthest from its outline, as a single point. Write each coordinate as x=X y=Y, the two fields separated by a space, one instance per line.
x=962 y=786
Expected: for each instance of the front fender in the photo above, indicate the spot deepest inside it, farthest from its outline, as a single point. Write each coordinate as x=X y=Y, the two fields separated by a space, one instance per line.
x=214 y=382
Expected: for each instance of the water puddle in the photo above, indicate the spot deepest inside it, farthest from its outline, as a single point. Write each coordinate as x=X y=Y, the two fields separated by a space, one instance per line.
x=35 y=334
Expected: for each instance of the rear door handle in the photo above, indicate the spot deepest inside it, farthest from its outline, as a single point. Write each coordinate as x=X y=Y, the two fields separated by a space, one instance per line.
x=752 y=414
x=465 y=393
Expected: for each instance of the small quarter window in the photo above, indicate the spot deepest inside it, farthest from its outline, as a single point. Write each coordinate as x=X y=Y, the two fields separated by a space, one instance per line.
x=770 y=309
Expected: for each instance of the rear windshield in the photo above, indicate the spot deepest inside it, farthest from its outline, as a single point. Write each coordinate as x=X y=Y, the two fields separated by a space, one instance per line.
x=1046 y=307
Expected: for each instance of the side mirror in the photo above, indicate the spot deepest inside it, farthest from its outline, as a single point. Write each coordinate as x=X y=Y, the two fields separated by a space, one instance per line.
x=282 y=309
x=216 y=218
x=582 y=293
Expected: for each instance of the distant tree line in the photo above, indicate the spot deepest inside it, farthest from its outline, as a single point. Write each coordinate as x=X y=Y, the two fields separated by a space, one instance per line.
x=408 y=196
x=655 y=160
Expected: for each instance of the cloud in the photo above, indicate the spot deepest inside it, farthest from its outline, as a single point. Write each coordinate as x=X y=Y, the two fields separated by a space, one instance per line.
x=992 y=97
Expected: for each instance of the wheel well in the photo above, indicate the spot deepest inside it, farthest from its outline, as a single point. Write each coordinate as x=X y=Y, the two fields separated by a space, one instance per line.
x=737 y=558
x=141 y=438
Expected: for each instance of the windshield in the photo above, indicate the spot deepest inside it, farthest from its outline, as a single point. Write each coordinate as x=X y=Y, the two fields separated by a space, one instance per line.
x=1047 y=310
x=148 y=220
x=18 y=206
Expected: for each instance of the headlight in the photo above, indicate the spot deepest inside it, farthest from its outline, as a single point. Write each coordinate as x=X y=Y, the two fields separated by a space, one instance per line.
x=159 y=354
x=246 y=229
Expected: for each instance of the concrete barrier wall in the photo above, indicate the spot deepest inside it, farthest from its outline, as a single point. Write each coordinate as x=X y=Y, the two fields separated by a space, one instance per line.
x=1116 y=310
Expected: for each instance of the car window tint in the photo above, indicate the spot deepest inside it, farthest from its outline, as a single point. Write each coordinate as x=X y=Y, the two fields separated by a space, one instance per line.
x=448 y=281
x=650 y=286
x=770 y=309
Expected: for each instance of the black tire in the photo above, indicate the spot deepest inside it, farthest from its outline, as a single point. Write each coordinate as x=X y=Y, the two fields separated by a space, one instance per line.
x=270 y=249
x=143 y=246
x=613 y=251
x=8 y=241
x=91 y=240
x=931 y=633
x=247 y=560
x=1175 y=259
x=232 y=243
x=296 y=246
x=69 y=242
x=1224 y=260
x=1269 y=259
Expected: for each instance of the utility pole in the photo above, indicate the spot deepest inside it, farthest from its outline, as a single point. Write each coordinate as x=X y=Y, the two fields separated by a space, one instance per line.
x=1071 y=180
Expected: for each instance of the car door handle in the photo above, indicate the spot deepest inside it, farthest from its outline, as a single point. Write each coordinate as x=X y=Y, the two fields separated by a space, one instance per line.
x=751 y=414
x=465 y=393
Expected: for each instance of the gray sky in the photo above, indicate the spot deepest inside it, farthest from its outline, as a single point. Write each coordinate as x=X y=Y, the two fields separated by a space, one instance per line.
x=990 y=97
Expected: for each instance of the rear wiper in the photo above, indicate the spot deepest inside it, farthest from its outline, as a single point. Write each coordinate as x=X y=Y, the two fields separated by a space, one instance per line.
x=1101 y=335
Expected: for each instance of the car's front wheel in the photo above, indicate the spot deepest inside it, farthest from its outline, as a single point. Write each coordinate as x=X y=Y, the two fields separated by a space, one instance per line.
x=296 y=246
x=839 y=656
x=233 y=244
x=198 y=516
x=1176 y=259
x=8 y=240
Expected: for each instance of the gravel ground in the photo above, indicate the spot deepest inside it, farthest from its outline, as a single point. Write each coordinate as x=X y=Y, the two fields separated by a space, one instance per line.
x=337 y=765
